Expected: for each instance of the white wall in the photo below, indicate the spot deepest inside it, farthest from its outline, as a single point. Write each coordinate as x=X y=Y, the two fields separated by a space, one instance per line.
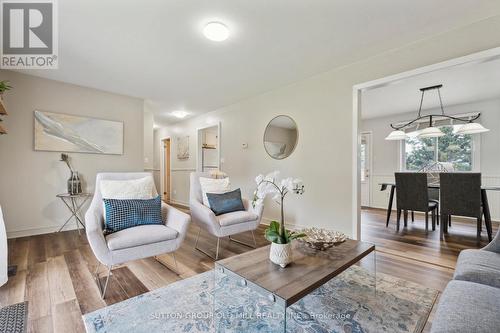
x=148 y=138
x=322 y=109
x=30 y=180
x=385 y=154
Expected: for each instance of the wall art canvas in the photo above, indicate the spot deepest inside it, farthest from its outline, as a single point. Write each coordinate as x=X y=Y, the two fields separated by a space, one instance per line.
x=63 y=132
x=183 y=148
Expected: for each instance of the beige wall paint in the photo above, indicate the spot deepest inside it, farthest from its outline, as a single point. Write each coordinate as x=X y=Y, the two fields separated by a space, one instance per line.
x=148 y=138
x=322 y=107
x=30 y=180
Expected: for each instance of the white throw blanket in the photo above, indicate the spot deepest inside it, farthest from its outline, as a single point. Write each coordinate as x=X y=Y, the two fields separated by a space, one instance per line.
x=3 y=251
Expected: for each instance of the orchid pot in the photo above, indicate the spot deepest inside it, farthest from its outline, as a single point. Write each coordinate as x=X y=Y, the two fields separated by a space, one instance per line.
x=280 y=238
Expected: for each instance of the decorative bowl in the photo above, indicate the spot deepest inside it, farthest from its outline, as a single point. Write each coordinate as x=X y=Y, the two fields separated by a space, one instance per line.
x=321 y=239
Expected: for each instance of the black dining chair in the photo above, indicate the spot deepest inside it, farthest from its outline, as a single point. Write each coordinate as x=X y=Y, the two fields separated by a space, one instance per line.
x=460 y=194
x=412 y=195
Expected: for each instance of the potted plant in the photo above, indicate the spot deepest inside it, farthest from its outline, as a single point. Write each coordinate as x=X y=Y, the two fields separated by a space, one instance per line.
x=280 y=238
x=4 y=86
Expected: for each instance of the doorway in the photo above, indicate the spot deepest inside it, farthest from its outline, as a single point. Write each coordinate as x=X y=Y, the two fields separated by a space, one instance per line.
x=482 y=57
x=208 y=155
x=166 y=170
x=365 y=151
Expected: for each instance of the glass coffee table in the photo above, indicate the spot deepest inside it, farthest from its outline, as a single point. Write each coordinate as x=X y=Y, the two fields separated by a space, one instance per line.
x=254 y=295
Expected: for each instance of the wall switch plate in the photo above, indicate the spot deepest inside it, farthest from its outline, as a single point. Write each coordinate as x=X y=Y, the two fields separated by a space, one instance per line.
x=146 y=160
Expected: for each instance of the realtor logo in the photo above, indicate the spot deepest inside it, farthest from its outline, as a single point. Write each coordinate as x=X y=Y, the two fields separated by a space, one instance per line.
x=29 y=34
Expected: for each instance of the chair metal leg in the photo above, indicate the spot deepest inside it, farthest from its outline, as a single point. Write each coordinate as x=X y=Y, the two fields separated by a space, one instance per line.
x=217 y=250
x=406 y=218
x=98 y=281
x=413 y=216
x=176 y=269
x=203 y=251
x=254 y=246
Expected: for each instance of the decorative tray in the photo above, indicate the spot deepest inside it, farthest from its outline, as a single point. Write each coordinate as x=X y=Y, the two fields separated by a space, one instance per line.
x=321 y=239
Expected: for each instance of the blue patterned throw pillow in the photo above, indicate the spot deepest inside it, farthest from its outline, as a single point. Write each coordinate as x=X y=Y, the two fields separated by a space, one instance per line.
x=226 y=202
x=123 y=214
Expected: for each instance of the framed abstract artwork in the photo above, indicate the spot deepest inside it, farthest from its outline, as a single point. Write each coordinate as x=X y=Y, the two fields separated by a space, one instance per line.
x=183 y=148
x=69 y=133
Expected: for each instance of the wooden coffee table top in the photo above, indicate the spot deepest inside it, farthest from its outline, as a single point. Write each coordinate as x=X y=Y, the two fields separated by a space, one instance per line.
x=309 y=270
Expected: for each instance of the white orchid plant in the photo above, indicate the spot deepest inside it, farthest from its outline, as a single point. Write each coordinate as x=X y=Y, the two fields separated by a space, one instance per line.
x=270 y=185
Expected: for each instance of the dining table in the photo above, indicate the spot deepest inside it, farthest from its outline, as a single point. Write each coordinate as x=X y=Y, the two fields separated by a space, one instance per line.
x=444 y=228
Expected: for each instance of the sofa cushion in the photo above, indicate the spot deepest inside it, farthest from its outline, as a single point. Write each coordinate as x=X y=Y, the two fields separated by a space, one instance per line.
x=213 y=185
x=467 y=307
x=224 y=203
x=478 y=266
x=123 y=214
x=236 y=217
x=141 y=235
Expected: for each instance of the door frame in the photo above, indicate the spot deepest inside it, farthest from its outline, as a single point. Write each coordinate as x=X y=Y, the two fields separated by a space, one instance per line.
x=370 y=164
x=167 y=172
x=162 y=167
x=478 y=57
x=199 y=151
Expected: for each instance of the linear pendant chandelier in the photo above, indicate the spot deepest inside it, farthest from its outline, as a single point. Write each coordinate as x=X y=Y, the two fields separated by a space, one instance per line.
x=469 y=126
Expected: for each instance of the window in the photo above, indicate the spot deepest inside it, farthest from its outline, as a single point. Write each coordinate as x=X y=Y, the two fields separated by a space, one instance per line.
x=363 y=161
x=458 y=150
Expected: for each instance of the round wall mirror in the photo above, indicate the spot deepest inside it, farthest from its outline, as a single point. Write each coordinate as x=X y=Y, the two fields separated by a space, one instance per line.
x=280 y=137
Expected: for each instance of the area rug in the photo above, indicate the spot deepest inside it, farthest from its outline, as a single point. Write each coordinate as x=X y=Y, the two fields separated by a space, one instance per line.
x=13 y=318
x=344 y=304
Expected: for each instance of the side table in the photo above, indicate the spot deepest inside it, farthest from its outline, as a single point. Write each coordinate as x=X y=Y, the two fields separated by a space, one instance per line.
x=71 y=201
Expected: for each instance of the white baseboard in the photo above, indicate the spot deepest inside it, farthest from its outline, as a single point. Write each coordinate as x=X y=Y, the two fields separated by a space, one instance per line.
x=37 y=231
x=180 y=203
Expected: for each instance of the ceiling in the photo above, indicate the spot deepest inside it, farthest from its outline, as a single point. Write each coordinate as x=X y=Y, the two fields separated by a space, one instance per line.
x=155 y=50
x=463 y=84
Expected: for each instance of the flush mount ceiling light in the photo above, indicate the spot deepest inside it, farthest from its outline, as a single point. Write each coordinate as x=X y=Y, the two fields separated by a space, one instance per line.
x=433 y=132
x=216 y=31
x=179 y=114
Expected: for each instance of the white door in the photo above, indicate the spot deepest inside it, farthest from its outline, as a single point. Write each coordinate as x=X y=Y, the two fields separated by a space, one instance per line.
x=365 y=157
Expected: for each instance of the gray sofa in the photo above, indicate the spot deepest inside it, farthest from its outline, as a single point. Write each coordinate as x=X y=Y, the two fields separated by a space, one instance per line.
x=471 y=301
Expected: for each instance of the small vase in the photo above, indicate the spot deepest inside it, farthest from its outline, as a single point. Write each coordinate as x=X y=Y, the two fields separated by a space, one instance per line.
x=74 y=184
x=281 y=254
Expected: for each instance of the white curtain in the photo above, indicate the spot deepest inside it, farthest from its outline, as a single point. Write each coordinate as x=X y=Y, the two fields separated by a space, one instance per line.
x=3 y=251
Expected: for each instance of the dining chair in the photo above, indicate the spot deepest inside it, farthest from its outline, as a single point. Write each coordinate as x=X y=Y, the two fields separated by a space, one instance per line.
x=412 y=195
x=460 y=194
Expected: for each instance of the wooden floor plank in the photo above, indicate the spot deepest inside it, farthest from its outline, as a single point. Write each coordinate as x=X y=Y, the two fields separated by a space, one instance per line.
x=86 y=289
x=14 y=291
x=60 y=284
x=67 y=317
x=129 y=282
x=37 y=292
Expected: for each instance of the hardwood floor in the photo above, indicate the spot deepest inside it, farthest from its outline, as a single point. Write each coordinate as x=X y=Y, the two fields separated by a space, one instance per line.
x=55 y=270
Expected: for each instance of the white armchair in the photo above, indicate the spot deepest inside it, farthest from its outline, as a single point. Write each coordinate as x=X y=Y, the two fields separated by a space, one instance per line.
x=132 y=243
x=225 y=225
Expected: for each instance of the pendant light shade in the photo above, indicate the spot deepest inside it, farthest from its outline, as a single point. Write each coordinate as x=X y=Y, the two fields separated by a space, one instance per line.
x=433 y=132
x=430 y=132
x=396 y=135
x=472 y=128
